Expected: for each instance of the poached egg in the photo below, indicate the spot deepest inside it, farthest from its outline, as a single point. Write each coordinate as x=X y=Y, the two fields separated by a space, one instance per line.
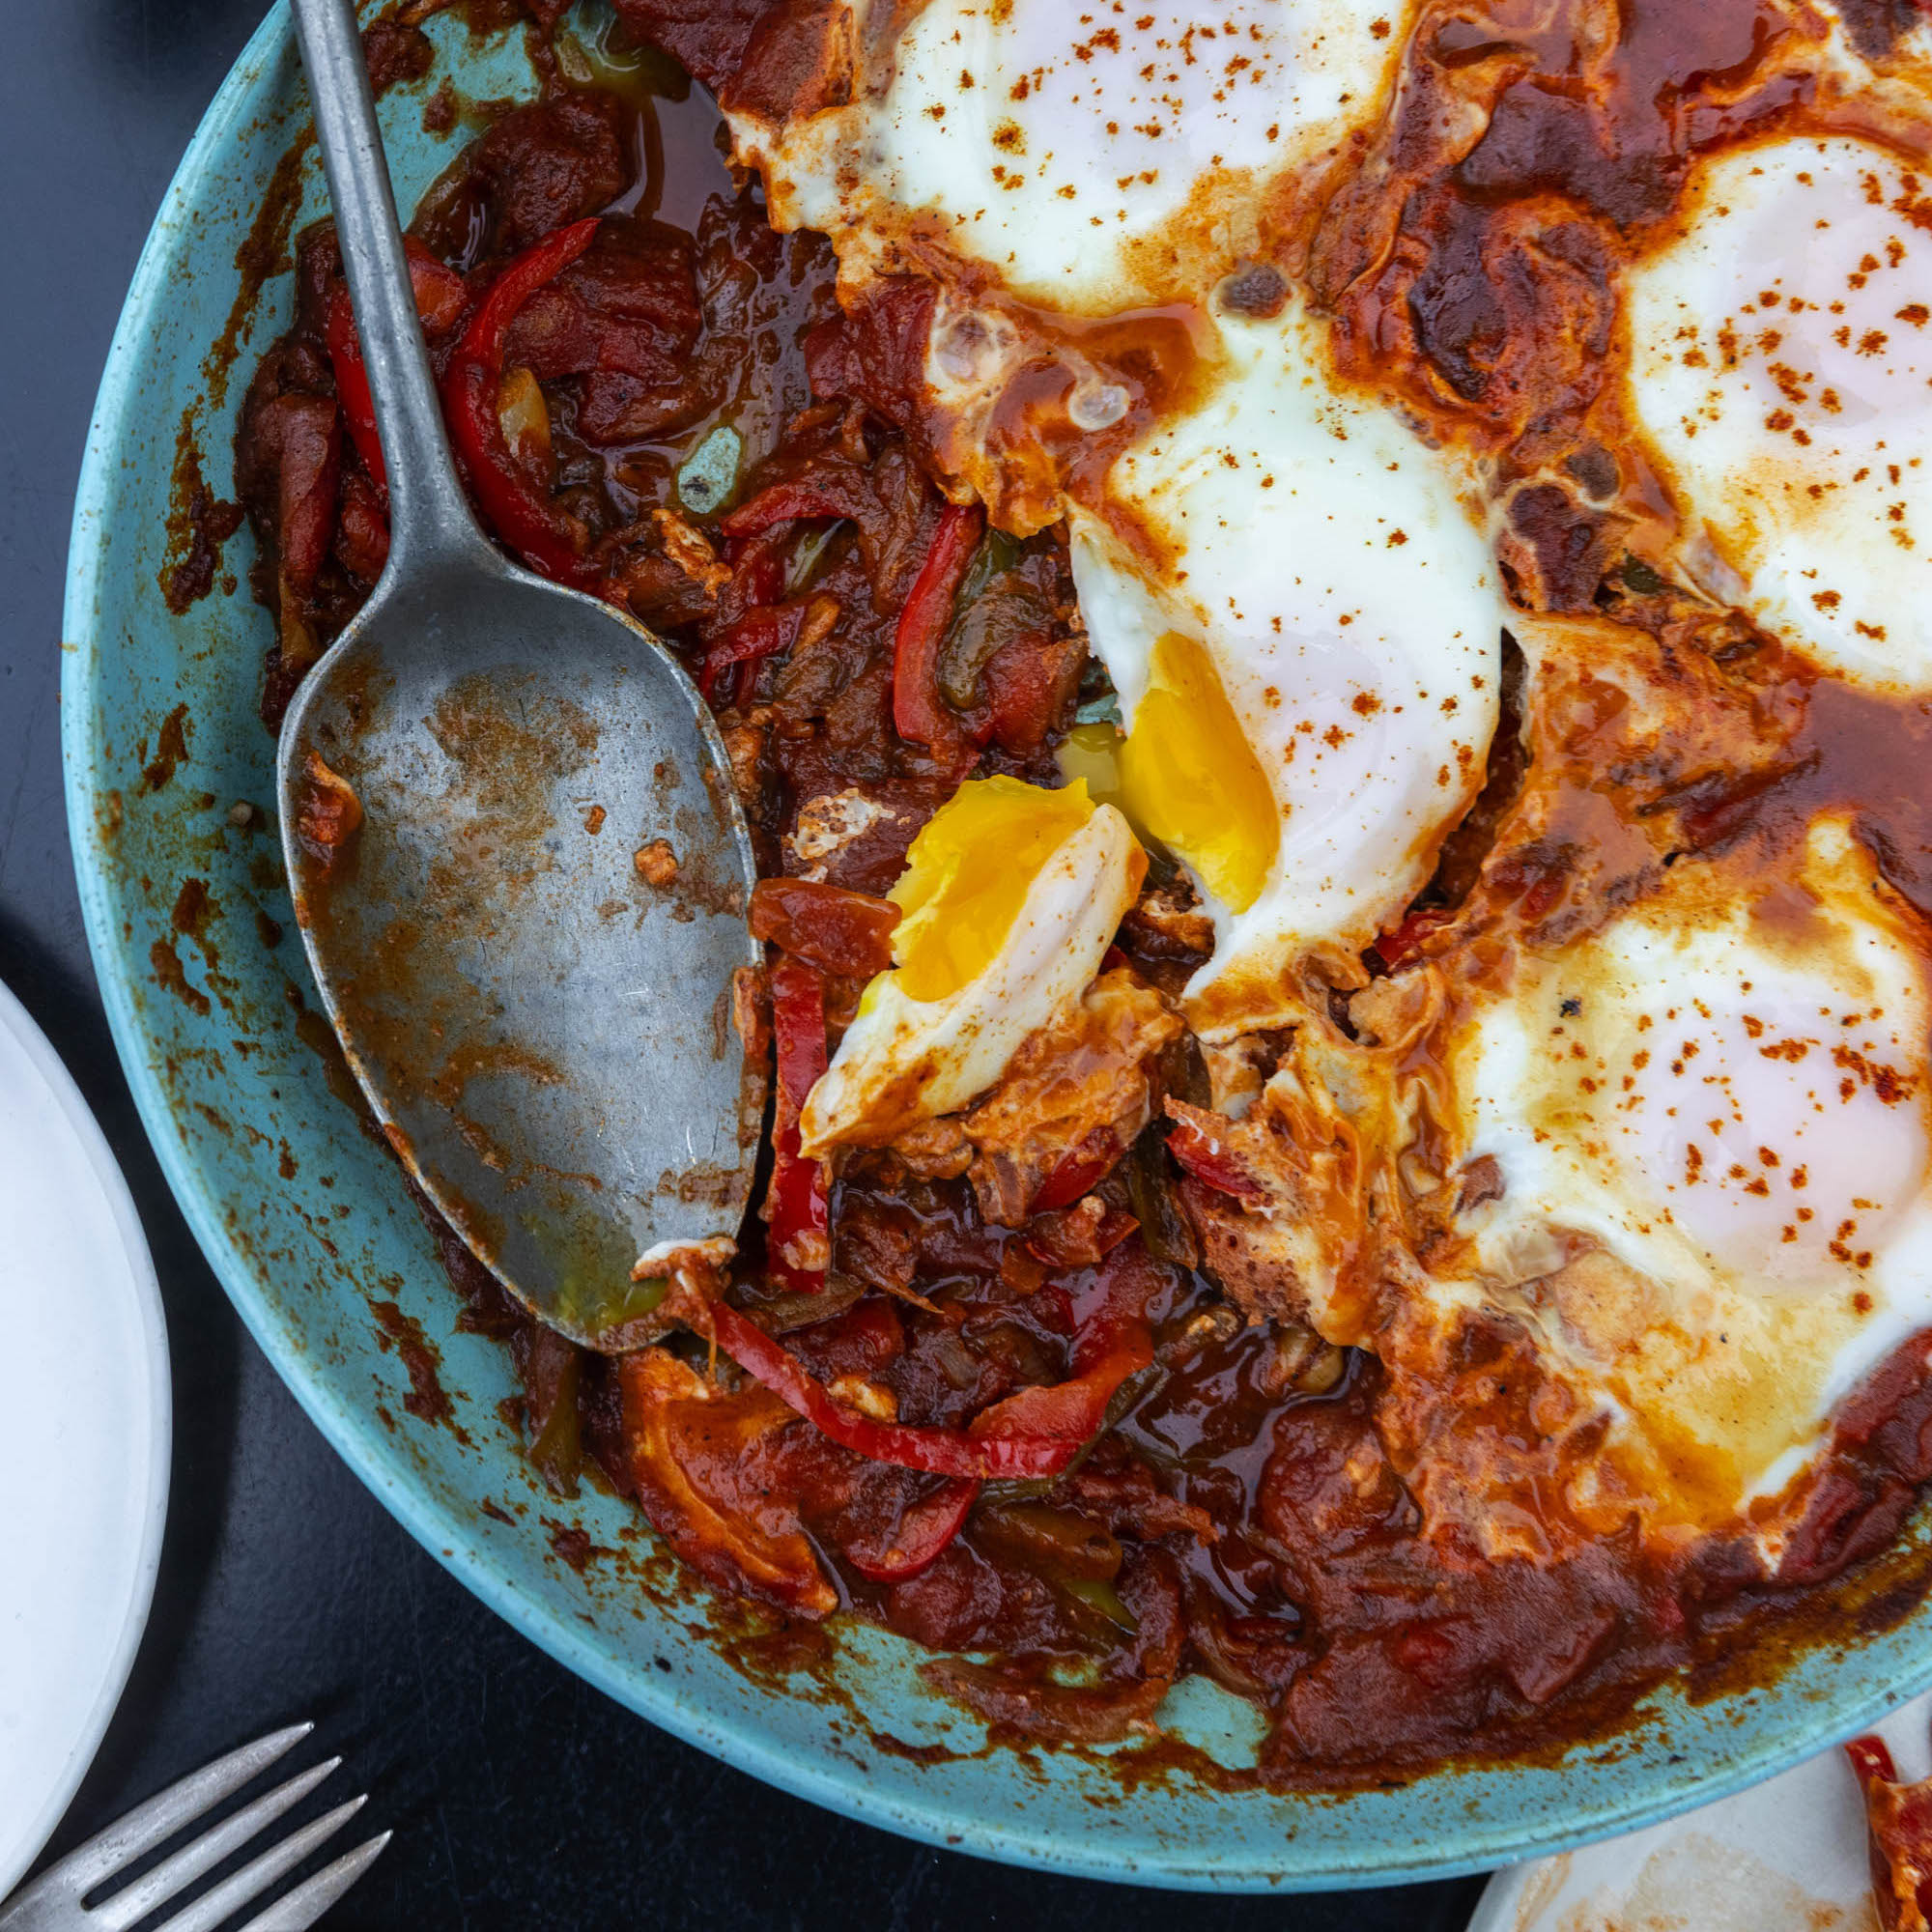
x=1705 y=1127
x=1010 y=899
x=1092 y=157
x=1303 y=623
x=1780 y=363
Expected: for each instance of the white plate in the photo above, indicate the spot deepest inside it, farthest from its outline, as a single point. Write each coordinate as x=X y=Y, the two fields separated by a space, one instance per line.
x=84 y=1436
x=1787 y=1855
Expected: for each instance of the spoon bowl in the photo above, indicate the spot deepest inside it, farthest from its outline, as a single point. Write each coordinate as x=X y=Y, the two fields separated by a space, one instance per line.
x=518 y=865
x=527 y=947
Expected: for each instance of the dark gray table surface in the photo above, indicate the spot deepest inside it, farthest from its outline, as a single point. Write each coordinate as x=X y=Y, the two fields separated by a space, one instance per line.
x=520 y=1797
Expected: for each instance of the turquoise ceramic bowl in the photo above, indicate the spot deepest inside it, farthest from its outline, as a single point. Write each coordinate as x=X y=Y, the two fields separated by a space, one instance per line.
x=304 y=1219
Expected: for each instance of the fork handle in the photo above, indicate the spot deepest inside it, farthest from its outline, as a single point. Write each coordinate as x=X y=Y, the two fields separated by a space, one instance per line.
x=430 y=519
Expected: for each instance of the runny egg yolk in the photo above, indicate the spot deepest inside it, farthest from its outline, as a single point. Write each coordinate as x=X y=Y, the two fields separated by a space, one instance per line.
x=967 y=876
x=1191 y=778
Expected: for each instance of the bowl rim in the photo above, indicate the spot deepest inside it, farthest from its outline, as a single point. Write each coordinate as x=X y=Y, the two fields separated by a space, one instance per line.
x=823 y=1780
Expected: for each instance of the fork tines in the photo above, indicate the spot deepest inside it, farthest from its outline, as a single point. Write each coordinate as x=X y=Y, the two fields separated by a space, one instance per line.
x=53 y=1903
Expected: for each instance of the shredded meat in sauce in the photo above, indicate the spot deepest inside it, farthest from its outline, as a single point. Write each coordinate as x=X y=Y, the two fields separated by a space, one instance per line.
x=1372 y=1527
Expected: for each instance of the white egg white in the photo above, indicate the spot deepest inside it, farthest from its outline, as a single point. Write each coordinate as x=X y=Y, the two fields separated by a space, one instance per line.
x=1781 y=366
x=1054 y=144
x=1709 y=1125
x=1350 y=604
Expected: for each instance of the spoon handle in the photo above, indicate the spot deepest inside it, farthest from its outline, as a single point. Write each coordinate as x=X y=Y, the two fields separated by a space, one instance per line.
x=430 y=519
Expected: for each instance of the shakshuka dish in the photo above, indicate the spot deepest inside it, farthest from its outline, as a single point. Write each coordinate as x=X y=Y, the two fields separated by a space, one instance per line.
x=1321 y=611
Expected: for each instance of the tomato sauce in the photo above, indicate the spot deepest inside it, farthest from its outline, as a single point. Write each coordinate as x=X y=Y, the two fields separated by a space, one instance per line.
x=1242 y=1508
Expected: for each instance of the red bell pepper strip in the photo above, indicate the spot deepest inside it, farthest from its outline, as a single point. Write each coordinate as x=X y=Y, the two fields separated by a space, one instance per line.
x=439 y=302
x=798 y=1242
x=918 y=1539
x=758 y=575
x=941 y=1452
x=1404 y=940
x=352 y=391
x=440 y=292
x=796 y=502
x=305 y=438
x=758 y=583
x=757 y=634
x=1077 y=1171
x=1078 y=1236
x=1871 y=1761
x=1204 y=1153
x=1113 y=1342
x=362 y=528
x=1898 y=1836
x=919 y=713
x=1024 y=684
x=545 y=535
x=839 y=931
x=1032 y=1435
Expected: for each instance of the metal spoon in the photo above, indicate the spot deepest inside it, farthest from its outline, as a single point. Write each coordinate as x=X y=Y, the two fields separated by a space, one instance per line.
x=545 y=1035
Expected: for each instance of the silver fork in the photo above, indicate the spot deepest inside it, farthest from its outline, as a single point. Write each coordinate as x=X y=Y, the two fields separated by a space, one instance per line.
x=53 y=1903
